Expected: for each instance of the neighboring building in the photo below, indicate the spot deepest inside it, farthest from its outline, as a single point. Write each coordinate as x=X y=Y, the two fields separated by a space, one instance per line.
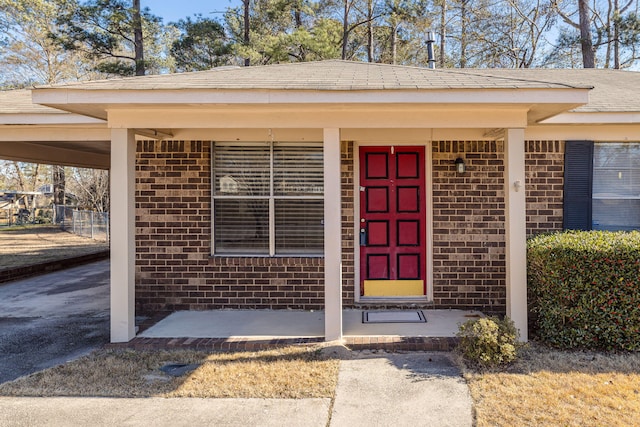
x=335 y=184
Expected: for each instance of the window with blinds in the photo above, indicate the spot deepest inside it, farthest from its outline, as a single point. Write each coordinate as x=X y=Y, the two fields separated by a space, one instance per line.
x=268 y=198
x=616 y=186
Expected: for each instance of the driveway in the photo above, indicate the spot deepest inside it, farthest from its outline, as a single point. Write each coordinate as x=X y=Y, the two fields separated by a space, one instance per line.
x=52 y=318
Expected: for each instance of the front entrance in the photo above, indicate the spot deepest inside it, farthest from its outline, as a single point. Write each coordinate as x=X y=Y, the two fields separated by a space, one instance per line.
x=392 y=221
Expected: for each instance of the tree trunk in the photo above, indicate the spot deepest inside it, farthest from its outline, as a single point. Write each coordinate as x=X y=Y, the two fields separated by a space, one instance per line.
x=345 y=29
x=370 y=31
x=394 y=43
x=58 y=185
x=463 y=34
x=588 y=57
x=247 y=61
x=616 y=35
x=137 y=39
x=443 y=32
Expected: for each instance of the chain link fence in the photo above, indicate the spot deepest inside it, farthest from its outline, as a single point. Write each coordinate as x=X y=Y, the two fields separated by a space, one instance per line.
x=94 y=225
x=21 y=216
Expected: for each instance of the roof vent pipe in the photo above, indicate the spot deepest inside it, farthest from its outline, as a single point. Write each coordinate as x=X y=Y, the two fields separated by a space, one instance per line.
x=430 y=41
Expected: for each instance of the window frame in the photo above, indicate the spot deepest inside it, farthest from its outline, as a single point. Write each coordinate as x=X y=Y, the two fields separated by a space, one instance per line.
x=579 y=176
x=634 y=173
x=272 y=197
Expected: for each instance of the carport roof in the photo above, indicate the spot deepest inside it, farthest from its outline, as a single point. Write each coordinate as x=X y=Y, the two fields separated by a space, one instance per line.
x=613 y=90
x=17 y=108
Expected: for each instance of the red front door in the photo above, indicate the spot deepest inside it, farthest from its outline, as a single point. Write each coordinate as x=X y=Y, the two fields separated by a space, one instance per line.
x=392 y=221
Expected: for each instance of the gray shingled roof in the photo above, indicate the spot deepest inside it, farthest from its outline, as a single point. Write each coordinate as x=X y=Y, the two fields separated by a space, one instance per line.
x=324 y=75
x=19 y=102
x=613 y=90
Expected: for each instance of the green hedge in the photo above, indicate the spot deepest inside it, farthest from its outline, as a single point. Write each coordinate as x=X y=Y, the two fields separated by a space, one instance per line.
x=584 y=289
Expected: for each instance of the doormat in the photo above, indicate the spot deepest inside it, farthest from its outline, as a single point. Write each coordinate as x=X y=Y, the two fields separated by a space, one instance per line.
x=393 y=317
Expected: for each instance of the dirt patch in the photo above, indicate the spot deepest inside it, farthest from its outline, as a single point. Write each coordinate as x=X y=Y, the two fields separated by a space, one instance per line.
x=32 y=245
x=291 y=372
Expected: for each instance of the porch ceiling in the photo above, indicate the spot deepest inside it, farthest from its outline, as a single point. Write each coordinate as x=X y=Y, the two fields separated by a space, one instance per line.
x=86 y=154
x=39 y=134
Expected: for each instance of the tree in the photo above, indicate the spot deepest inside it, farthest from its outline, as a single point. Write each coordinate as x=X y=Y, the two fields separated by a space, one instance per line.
x=27 y=54
x=25 y=177
x=113 y=32
x=90 y=187
x=282 y=31
x=202 y=44
x=611 y=29
x=588 y=58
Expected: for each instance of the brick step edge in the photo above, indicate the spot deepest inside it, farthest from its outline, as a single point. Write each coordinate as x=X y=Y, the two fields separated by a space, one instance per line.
x=247 y=344
x=12 y=274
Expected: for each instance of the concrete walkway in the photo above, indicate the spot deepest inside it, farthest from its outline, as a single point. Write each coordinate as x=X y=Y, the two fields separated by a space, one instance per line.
x=412 y=389
x=374 y=389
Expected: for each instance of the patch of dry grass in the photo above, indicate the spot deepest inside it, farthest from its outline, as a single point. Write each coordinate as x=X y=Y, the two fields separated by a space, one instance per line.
x=291 y=372
x=557 y=388
x=28 y=245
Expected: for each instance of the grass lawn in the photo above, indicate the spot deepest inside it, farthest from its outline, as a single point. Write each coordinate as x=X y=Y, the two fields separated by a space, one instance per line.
x=291 y=372
x=544 y=388
x=559 y=388
x=35 y=244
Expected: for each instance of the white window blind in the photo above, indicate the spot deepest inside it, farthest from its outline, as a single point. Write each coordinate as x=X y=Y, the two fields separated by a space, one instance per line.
x=616 y=186
x=268 y=198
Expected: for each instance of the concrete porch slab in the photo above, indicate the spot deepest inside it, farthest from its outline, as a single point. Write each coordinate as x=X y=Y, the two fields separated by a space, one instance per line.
x=286 y=324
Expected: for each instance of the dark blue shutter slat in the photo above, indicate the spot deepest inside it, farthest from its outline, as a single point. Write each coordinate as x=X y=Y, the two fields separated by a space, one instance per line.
x=578 y=183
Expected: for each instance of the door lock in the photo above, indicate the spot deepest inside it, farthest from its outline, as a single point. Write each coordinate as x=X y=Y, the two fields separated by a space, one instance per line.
x=363 y=237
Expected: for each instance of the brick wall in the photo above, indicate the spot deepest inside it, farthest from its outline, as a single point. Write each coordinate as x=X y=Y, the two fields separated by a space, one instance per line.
x=544 y=167
x=174 y=269
x=468 y=226
x=348 y=248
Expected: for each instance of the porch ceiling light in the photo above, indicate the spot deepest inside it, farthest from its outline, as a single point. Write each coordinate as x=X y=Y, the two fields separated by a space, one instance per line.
x=460 y=166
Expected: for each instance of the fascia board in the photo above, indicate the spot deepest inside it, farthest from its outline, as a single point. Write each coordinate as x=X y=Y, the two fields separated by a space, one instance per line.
x=54 y=133
x=594 y=118
x=58 y=98
x=47 y=119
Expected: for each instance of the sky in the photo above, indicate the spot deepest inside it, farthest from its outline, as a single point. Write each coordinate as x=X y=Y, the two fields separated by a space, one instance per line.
x=173 y=10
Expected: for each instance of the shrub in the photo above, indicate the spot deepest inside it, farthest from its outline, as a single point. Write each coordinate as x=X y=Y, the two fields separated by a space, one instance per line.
x=488 y=342
x=584 y=289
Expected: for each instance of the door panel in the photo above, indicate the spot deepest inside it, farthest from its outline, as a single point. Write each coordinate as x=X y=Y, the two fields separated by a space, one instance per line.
x=392 y=221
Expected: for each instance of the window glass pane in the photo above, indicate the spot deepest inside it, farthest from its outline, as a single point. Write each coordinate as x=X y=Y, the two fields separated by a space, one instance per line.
x=299 y=226
x=616 y=214
x=616 y=170
x=298 y=170
x=241 y=170
x=241 y=226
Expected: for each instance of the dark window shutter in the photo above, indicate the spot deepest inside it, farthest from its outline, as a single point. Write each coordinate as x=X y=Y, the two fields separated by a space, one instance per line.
x=578 y=183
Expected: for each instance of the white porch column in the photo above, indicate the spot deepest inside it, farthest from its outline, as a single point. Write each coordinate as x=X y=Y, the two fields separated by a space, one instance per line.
x=516 y=229
x=332 y=236
x=123 y=250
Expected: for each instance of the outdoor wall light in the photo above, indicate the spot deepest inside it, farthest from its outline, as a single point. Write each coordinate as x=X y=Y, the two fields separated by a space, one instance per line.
x=460 y=166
